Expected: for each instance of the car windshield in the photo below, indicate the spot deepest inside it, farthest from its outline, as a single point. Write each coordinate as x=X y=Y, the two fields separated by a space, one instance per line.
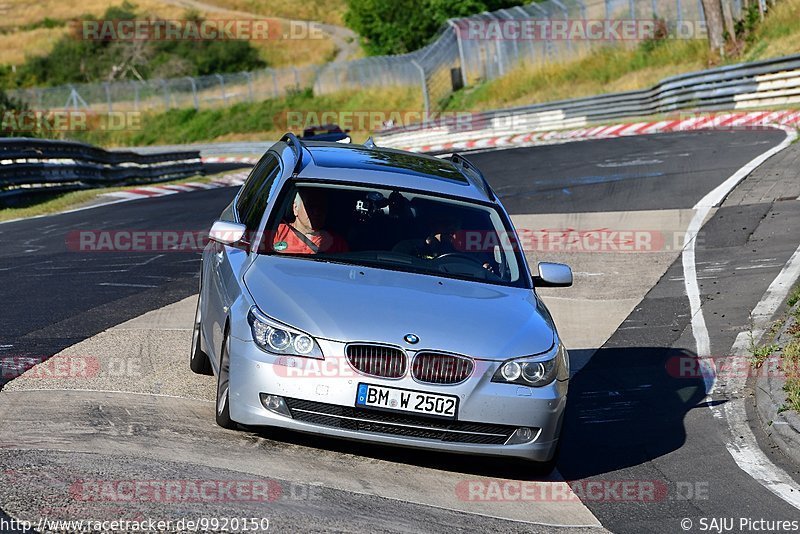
x=393 y=229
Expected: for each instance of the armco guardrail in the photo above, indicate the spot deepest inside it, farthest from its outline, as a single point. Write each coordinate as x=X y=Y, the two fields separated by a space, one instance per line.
x=763 y=84
x=30 y=166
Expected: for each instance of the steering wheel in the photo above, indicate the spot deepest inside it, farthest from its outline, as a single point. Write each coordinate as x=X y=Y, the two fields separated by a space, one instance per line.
x=459 y=255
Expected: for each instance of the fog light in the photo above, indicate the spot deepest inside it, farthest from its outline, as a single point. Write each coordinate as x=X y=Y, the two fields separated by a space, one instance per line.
x=275 y=404
x=523 y=435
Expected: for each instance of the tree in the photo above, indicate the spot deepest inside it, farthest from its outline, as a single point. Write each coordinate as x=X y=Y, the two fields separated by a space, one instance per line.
x=75 y=59
x=401 y=26
x=713 y=14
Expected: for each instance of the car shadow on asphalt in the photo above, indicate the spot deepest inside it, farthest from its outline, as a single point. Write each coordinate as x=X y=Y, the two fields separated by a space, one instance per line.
x=625 y=407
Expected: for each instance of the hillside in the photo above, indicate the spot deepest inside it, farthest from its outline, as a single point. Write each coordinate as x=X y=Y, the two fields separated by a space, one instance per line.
x=32 y=28
x=613 y=69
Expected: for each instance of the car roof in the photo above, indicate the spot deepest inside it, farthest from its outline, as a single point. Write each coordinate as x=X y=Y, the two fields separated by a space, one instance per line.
x=389 y=168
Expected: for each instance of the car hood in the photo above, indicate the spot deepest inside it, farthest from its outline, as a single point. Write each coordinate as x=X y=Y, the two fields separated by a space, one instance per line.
x=352 y=303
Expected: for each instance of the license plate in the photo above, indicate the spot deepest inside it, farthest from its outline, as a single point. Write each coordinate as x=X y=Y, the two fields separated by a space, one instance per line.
x=406 y=400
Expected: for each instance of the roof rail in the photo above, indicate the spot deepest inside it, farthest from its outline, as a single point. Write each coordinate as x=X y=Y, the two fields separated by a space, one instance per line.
x=297 y=147
x=465 y=164
x=370 y=143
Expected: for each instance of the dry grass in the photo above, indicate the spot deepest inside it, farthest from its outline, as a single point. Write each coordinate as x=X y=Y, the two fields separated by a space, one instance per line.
x=791 y=366
x=21 y=12
x=16 y=45
x=296 y=52
x=780 y=33
x=616 y=69
x=791 y=355
x=648 y=77
x=600 y=71
x=328 y=11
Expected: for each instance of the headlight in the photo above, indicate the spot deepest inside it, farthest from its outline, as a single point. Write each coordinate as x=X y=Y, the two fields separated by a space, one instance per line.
x=534 y=371
x=276 y=338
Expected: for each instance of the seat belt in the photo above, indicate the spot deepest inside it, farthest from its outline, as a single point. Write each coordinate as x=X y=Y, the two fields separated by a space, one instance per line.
x=310 y=244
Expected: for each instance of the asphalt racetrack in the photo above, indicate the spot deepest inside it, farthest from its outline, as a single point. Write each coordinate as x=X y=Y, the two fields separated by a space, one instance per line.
x=629 y=420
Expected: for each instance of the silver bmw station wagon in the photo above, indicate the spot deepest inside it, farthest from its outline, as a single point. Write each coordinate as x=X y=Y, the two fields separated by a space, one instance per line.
x=377 y=295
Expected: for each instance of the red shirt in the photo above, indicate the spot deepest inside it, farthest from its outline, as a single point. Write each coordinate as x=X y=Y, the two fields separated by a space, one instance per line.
x=327 y=242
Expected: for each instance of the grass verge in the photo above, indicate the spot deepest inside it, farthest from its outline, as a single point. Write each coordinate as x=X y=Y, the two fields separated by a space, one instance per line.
x=268 y=119
x=614 y=69
x=790 y=362
x=604 y=70
x=789 y=351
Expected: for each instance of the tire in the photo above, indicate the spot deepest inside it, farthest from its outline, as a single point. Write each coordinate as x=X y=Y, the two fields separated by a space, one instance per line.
x=223 y=411
x=199 y=362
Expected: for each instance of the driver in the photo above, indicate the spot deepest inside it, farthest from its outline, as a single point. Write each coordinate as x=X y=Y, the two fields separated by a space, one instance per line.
x=445 y=237
x=307 y=234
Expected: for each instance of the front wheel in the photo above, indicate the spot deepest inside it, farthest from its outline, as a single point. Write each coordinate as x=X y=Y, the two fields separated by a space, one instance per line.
x=223 y=387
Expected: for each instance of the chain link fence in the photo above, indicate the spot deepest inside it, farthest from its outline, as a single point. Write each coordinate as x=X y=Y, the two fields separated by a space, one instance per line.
x=465 y=52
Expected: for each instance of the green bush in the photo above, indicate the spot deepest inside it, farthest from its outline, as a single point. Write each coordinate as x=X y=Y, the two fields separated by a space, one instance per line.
x=400 y=26
x=9 y=105
x=77 y=60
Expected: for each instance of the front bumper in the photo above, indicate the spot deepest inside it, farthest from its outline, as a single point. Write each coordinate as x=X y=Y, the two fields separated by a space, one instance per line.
x=321 y=395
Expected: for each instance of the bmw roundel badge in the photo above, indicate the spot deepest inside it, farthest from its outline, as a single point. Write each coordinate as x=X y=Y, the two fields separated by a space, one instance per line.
x=411 y=339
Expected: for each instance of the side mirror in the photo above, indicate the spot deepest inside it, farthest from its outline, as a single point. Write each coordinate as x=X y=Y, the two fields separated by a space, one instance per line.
x=228 y=233
x=553 y=275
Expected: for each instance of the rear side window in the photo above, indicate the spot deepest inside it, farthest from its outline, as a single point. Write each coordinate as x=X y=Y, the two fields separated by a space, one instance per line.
x=253 y=197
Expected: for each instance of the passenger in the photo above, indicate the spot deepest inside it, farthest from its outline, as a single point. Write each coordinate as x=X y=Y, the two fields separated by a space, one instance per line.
x=307 y=234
